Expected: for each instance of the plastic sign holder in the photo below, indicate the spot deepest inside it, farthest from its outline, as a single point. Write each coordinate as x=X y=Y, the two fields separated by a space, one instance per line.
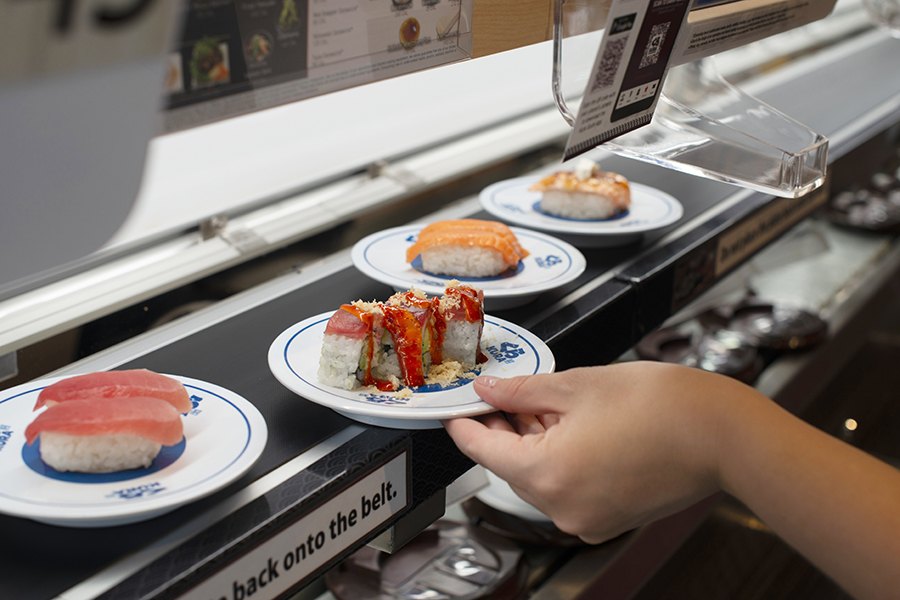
x=691 y=119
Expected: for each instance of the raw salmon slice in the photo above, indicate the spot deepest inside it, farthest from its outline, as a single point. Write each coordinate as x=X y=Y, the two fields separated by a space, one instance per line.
x=110 y=385
x=149 y=418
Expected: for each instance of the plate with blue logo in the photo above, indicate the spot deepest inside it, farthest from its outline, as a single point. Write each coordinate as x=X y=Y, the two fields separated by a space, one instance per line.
x=551 y=263
x=224 y=435
x=651 y=209
x=510 y=351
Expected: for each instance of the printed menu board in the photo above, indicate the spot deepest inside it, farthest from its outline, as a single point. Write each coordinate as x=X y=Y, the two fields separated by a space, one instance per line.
x=236 y=56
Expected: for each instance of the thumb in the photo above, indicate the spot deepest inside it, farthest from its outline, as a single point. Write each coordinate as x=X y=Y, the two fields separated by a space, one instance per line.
x=531 y=394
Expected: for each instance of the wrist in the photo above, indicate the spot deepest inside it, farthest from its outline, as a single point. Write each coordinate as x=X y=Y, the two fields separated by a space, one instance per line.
x=747 y=419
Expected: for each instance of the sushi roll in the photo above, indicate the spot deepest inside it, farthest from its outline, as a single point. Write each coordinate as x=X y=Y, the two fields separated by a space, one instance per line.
x=461 y=309
x=409 y=323
x=116 y=385
x=467 y=248
x=587 y=193
x=352 y=337
x=400 y=342
x=96 y=435
x=381 y=344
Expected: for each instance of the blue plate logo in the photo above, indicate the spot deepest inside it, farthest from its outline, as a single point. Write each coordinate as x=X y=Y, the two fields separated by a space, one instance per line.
x=548 y=262
x=507 y=353
x=384 y=399
x=138 y=491
x=5 y=433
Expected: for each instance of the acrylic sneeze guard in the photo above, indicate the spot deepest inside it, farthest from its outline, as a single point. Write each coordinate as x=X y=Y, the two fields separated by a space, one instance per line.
x=705 y=126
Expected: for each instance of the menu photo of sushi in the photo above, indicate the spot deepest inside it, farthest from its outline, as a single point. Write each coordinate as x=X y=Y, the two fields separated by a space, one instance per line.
x=406 y=362
x=512 y=266
x=209 y=64
x=258 y=47
x=111 y=447
x=585 y=205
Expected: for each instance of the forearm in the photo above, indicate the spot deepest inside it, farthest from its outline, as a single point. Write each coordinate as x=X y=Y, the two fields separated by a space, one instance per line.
x=836 y=505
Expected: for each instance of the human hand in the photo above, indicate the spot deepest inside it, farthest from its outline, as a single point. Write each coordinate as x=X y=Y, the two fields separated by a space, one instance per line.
x=602 y=450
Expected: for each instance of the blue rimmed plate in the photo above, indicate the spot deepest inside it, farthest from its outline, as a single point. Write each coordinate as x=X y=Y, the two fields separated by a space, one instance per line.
x=511 y=351
x=550 y=264
x=224 y=435
x=651 y=209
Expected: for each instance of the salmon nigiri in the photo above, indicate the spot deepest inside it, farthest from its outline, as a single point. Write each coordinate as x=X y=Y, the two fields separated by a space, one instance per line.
x=98 y=436
x=116 y=385
x=467 y=248
x=586 y=193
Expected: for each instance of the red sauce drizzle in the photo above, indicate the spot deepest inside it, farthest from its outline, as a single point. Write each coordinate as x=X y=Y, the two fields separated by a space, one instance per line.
x=437 y=325
x=407 y=335
x=438 y=332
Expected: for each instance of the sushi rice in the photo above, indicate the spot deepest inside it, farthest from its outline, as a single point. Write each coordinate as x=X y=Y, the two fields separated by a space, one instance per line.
x=97 y=453
x=461 y=342
x=578 y=205
x=339 y=360
x=463 y=261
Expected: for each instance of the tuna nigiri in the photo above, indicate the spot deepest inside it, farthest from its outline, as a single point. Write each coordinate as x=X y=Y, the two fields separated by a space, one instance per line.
x=467 y=248
x=116 y=385
x=99 y=436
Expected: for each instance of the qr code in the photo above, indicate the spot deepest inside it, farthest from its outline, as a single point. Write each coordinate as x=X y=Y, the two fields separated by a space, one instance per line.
x=654 y=45
x=609 y=63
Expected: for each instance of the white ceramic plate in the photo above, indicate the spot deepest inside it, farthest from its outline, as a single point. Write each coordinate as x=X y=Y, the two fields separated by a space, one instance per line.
x=550 y=264
x=511 y=350
x=651 y=209
x=497 y=494
x=224 y=435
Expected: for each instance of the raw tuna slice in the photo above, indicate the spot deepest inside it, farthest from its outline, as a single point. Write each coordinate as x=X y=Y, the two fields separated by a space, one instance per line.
x=149 y=418
x=350 y=321
x=110 y=385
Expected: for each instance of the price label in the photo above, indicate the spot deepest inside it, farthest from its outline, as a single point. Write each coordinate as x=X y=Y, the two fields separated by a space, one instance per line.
x=628 y=72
